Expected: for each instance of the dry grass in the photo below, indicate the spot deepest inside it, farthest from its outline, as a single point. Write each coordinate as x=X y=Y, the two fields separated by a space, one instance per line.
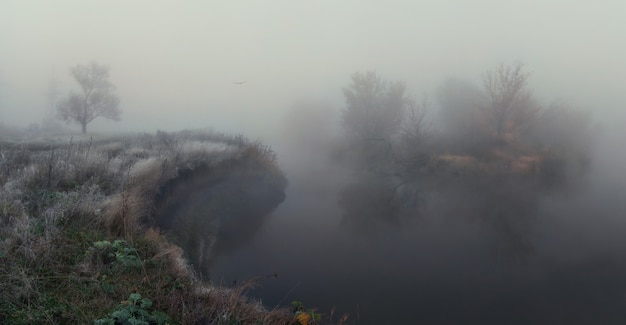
x=60 y=201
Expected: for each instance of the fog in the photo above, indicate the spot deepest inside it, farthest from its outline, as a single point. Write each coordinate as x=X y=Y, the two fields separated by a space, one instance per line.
x=277 y=71
x=174 y=64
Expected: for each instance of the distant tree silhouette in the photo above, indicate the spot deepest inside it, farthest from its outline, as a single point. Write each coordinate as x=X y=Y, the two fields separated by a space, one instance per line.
x=374 y=107
x=96 y=98
x=510 y=106
x=372 y=116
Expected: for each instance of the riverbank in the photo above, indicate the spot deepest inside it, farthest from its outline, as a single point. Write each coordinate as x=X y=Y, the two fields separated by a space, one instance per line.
x=87 y=233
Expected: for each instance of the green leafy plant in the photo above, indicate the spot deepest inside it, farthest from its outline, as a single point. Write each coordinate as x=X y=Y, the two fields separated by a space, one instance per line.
x=134 y=311
x=122 y=251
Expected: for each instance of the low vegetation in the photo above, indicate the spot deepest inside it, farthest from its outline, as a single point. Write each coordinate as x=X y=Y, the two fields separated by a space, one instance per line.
x=81 y=241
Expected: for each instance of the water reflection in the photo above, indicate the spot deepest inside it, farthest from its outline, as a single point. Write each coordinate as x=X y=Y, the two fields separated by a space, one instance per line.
x=505 y=206
x=210 y=211
x=450 y=264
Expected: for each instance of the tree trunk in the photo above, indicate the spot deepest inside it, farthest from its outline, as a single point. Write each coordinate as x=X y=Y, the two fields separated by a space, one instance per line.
x=84 y=127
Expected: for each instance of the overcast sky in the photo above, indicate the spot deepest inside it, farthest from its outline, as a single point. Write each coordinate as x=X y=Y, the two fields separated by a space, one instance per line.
x=174 y=62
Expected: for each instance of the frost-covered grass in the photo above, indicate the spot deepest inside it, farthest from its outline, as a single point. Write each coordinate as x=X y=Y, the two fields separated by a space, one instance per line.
x=62 y=201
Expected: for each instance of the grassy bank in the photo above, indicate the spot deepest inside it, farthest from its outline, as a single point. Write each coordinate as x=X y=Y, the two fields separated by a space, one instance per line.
x=83 y=238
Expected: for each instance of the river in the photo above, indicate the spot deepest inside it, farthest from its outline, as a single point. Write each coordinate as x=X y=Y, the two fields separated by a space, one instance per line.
x=556 y=258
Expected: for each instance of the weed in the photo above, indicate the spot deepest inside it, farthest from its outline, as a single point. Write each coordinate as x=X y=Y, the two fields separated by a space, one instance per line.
x=135 y=310
x=123 y=252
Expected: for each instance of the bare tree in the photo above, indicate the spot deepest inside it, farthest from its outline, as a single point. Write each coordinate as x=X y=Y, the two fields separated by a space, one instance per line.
x=415 y=126
x=414 y=135
x=509 y=104
x=96 y=98
x=374 y=107
x=373 y=115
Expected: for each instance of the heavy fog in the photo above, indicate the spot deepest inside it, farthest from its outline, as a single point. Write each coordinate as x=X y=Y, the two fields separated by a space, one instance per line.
x=174 y=65
x=472 y=230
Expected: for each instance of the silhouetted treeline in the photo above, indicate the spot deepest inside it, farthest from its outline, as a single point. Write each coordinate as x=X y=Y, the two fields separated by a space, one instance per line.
x=491 y=150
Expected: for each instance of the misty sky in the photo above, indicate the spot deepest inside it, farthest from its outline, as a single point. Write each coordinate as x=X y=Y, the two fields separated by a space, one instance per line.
x=174 y=63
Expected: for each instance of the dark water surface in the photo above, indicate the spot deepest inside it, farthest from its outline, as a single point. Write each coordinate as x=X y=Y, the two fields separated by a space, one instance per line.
x=476 y=255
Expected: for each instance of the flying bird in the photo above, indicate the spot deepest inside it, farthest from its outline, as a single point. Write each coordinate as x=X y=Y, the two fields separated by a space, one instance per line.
x=240 y=82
